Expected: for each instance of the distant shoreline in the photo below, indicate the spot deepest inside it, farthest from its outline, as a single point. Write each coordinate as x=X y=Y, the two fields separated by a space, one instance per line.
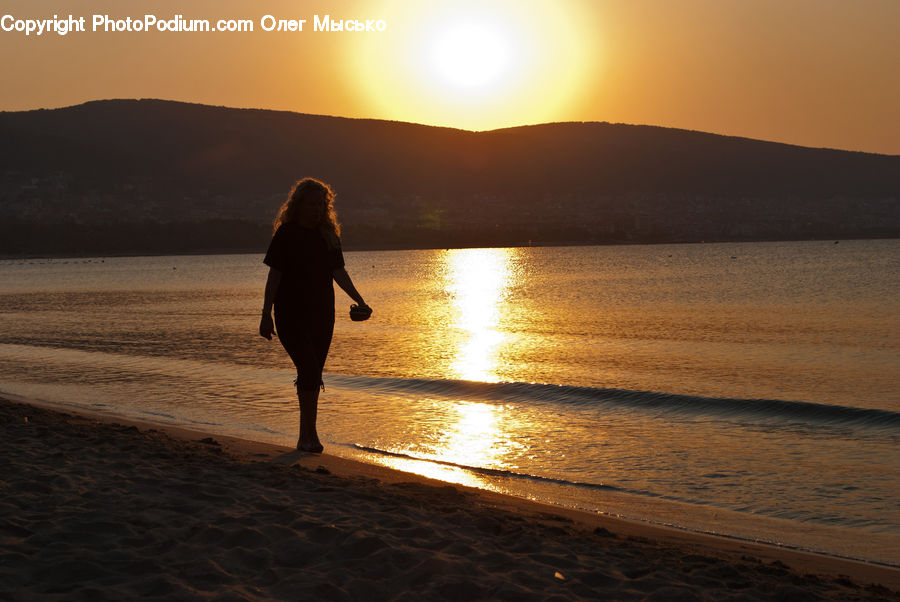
x=369 y=248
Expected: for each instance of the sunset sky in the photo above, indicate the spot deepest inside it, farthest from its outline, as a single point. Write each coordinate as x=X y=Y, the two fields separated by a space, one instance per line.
x=808 y=72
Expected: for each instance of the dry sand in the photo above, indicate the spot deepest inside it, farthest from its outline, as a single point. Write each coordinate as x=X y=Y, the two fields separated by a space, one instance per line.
x=91 y=511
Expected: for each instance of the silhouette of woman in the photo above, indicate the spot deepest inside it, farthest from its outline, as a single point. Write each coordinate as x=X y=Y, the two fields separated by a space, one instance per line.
x=303 y=258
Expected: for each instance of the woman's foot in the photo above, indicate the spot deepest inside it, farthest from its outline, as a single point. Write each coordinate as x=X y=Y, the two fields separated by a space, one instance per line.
x=314 y=447
x=309 y=438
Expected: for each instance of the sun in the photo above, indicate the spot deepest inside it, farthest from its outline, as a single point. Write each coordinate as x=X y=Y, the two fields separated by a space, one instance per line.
x=473 y=56
x=470 y=54
x=473 y=64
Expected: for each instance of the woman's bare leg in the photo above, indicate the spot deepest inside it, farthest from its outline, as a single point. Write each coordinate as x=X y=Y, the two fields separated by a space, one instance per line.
x=309 y=438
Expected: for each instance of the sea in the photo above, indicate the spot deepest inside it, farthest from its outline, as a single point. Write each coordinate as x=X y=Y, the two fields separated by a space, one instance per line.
x=746 y=390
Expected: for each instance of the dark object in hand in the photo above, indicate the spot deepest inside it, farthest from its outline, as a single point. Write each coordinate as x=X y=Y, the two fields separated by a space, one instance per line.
x=358 y=313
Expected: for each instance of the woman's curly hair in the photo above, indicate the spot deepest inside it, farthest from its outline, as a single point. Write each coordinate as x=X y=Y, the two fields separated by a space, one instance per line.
x=329 y=226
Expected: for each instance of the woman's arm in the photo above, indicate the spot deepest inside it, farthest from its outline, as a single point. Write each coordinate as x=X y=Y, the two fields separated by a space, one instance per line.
x=266 y=325
x=343 y=279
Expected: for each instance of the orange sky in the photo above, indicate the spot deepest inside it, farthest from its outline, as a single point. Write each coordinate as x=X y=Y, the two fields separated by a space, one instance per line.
x=809 y=72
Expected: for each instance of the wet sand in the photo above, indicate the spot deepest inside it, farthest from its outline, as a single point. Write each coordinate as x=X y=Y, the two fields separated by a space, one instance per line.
x=96 y=510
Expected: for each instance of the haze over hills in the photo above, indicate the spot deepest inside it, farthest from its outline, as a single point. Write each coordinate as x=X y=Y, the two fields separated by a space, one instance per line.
x=122 y=176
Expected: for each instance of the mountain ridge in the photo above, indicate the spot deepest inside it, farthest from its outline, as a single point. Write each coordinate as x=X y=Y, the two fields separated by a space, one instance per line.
x=74 y=176
x=440 y=127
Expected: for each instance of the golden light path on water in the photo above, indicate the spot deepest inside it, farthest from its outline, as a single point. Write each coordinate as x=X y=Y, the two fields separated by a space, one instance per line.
x=478 y=280
x=474 y=434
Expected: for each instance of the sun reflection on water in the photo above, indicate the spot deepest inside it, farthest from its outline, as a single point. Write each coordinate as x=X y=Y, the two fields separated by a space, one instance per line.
x=478 y=282
x=475 y=434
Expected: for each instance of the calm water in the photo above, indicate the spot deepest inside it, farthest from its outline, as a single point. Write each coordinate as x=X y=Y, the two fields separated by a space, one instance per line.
x=743 y=389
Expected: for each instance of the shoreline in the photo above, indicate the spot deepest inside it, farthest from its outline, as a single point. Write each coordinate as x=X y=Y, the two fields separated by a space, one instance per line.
x=401 y=247
x=740 y=565
x=668 y=514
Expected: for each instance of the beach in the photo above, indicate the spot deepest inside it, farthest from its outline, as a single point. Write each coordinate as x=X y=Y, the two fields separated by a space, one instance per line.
x=748 y=406
x=93 y=509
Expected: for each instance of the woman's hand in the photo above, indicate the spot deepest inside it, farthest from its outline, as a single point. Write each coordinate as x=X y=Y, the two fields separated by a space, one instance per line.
x=266 y=327
x=360 y=313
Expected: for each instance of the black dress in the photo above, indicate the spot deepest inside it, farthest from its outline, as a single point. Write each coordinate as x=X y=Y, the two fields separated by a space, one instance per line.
x=304 y=303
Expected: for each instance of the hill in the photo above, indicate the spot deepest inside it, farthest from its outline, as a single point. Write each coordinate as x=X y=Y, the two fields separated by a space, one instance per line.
x=161 y=176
